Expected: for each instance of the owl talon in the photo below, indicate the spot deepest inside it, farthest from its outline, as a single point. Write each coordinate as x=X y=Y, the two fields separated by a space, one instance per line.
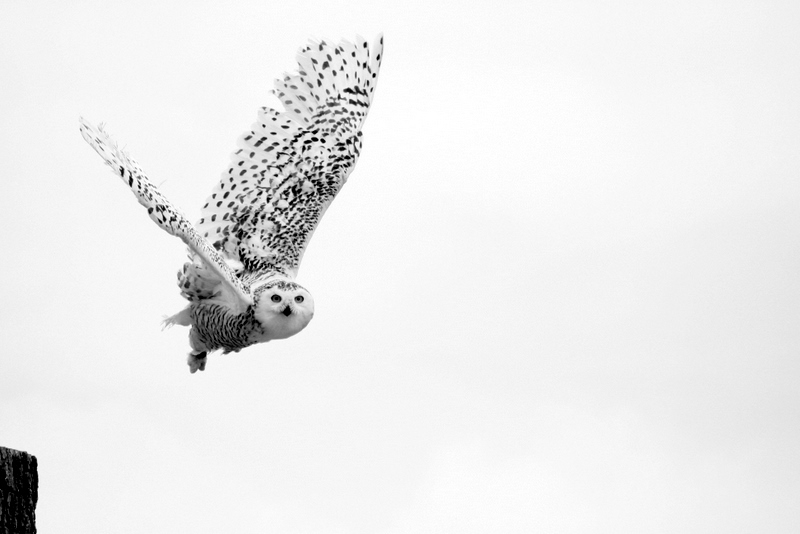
x=197 y=362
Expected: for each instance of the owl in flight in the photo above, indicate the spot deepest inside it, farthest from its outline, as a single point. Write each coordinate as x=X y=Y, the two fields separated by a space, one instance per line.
x=245 y=251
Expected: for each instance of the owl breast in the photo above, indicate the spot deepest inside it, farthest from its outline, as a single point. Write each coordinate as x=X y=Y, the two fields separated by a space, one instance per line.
x=217 y=327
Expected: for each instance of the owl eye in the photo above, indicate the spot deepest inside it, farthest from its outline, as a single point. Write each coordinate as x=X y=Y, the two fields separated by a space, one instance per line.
x=276 y=298
x=299 y=299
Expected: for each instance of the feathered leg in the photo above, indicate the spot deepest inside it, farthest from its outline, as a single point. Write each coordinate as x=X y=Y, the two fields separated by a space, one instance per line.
x=198 y=357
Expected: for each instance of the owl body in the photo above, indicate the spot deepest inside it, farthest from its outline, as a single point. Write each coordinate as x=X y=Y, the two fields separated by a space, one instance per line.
x=245 y=251
x=280 y=310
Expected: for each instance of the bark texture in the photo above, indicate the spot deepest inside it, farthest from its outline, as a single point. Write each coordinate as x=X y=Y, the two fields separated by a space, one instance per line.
x=19 y=491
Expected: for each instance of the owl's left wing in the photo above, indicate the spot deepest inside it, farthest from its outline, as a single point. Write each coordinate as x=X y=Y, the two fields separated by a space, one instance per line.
x=291 y=164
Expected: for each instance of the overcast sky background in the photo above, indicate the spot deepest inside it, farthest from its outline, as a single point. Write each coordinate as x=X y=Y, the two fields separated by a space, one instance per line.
x=559 y=293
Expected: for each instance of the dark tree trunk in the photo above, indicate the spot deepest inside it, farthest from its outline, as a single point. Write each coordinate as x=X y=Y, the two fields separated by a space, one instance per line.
x=19 y=490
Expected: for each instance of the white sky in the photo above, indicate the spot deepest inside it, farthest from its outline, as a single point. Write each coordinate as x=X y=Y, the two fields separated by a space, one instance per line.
x=559 y=293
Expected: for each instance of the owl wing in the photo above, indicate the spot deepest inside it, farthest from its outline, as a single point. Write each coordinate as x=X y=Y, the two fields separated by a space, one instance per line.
x=166 y=215
x=292 y=163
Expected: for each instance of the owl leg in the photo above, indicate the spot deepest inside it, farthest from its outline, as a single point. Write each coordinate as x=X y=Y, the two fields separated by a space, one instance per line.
x=198 y=357
x=197 y=361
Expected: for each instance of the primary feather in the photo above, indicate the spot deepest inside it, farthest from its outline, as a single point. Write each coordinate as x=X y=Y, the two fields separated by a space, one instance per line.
x=246 y=249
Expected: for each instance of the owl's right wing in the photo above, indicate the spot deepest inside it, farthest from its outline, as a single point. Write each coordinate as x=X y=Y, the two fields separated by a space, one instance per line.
x=165 y=214
x=291 y=164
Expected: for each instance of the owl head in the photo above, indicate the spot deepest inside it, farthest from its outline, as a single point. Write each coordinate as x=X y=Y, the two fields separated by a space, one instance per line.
x=283 y=308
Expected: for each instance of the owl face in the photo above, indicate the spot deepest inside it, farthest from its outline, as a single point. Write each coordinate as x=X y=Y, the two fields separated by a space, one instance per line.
x=283 y=308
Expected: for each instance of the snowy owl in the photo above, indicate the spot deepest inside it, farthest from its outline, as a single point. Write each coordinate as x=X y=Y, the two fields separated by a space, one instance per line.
x=245 y=251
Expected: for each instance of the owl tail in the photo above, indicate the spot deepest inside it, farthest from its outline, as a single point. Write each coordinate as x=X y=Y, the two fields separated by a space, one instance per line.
x=168 y=217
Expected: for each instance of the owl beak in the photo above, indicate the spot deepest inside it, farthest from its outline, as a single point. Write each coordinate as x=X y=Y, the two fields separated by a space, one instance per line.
x=287 y=311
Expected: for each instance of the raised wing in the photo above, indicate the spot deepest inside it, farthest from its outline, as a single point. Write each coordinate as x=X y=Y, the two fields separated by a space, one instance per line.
x=291 y=164
x=162 y=211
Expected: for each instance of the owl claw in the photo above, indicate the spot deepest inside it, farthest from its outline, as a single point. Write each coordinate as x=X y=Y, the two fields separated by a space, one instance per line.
x=197 y=362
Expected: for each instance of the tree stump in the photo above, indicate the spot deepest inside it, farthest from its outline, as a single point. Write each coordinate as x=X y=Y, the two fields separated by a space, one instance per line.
x=19 y=491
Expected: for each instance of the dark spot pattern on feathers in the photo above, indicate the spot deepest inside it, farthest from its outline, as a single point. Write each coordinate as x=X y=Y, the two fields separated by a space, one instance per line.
x=296 y=160
x=160 y=210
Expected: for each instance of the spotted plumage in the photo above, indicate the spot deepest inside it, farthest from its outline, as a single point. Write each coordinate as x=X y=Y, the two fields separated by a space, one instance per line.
x=246 y=249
